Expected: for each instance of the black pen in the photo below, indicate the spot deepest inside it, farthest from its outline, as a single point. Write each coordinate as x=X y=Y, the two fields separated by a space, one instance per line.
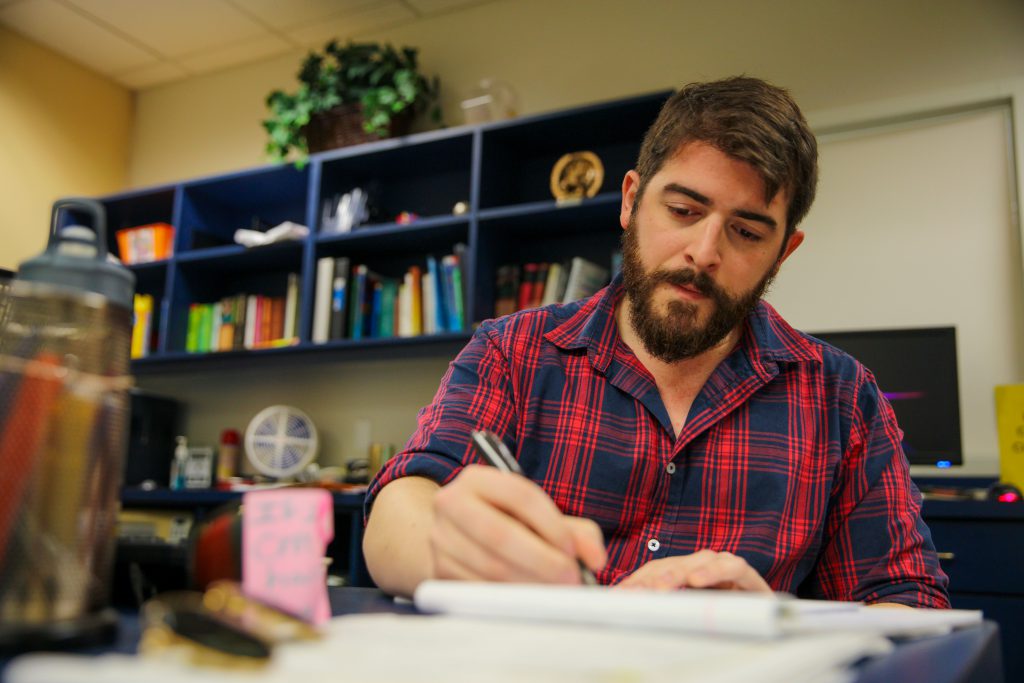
x=496 y=454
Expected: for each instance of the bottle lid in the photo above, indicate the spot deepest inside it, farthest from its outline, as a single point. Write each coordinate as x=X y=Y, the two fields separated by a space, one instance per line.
x=76 y=257
x=230 y=437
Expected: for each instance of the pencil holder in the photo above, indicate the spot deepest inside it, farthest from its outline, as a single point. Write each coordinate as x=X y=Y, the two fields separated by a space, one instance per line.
x=64 y=354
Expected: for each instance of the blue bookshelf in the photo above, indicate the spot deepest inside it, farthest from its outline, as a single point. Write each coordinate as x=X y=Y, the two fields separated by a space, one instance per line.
x=500 y=171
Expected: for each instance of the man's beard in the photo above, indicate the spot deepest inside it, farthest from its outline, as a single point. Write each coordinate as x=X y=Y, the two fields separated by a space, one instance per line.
x=677 y=334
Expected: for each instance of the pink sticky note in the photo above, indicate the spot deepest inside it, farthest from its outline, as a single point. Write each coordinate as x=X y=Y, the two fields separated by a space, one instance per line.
x=285 y=533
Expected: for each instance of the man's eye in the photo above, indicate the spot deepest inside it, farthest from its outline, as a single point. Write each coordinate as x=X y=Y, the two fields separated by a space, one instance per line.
x=746 y=234
x=682 y=211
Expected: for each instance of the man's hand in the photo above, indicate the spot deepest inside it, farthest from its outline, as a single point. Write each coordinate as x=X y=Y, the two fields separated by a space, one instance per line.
x=495 y=526
x=702 y=569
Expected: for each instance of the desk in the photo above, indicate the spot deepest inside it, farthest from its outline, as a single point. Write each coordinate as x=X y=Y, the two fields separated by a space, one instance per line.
x=981 y=545
x=966 y=656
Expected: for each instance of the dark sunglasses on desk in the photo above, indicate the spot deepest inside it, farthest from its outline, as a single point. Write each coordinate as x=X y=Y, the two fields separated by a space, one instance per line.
x=221 y=628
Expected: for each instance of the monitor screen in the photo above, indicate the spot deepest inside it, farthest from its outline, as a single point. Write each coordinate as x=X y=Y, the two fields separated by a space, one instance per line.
x=916 y=370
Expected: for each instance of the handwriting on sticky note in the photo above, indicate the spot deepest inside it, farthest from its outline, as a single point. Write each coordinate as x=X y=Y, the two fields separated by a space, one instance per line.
x=285 y=533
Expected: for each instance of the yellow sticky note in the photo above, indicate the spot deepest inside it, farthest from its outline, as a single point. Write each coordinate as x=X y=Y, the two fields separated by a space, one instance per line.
x=1010 y=423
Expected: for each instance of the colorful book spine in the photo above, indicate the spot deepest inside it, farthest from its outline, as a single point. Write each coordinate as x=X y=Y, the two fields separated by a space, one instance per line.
x=357 y=310
x=142 y=325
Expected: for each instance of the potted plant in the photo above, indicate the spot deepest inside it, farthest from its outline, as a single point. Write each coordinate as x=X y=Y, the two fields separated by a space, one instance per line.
x=349 y=94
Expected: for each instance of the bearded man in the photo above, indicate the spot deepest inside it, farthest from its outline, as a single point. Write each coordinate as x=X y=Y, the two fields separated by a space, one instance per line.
x=674 y=431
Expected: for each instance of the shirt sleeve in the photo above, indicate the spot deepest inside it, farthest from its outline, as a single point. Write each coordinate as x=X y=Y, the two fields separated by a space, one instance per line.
x=475 y=393
x=877 y=547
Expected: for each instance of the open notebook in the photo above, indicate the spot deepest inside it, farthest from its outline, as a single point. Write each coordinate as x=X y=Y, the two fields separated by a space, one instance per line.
x=700 y=611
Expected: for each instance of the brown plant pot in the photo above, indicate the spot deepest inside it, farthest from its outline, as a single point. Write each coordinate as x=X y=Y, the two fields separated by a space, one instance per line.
x=342 y=126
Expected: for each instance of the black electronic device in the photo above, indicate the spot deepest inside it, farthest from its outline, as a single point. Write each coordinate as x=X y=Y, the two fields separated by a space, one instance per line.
x=155 y=422
x=916 y=369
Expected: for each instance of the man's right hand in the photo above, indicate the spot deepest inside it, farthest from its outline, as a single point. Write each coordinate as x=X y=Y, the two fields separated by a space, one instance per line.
x=496 y=526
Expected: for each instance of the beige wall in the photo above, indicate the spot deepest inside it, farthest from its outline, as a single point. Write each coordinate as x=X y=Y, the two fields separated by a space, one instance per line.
x=63 y=131
x=559 y=53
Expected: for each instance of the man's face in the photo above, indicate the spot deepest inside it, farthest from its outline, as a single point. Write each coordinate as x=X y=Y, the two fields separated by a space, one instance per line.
x=699 y=251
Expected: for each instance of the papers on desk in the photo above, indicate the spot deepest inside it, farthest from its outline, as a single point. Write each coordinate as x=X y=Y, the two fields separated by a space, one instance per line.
x=379 y=648
x=699 y=611
x=573 y=634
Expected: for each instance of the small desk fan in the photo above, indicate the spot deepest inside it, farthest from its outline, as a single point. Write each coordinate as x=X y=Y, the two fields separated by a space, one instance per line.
x=280 y=441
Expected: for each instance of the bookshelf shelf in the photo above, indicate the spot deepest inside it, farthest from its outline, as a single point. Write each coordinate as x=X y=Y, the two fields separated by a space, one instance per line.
x=499 y=171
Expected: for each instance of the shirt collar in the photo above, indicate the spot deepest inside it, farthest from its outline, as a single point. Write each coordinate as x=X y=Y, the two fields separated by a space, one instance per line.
x=768 y=338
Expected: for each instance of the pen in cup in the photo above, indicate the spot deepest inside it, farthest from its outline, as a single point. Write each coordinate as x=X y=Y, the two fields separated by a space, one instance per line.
x=496 y=453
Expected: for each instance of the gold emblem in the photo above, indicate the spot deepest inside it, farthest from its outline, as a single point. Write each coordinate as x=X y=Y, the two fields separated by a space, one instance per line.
x=577 y=175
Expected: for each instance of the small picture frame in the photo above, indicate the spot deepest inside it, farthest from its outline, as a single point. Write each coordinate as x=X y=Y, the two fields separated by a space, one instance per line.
x=199 y=468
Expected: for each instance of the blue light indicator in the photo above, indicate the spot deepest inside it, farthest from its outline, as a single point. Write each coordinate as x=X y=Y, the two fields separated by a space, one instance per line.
x=944 y=464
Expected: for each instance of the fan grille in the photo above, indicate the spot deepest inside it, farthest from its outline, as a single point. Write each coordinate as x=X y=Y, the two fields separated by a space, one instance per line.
x=281 y=441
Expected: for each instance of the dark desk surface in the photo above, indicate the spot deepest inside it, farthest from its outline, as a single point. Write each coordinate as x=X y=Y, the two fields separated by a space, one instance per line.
x=970 y=655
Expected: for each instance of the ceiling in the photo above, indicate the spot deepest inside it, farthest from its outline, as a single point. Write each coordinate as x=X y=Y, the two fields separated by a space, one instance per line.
x=141 y=43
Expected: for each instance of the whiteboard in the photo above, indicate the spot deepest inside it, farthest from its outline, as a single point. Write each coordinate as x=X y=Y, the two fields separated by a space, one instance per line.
x=914 y=226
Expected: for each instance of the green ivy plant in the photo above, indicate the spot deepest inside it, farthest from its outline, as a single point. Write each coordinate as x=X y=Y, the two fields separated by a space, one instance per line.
x=384 y=80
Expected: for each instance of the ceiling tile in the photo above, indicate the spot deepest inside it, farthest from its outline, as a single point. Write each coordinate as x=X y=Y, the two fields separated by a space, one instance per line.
x=66 y=31
x=346 y=25
x=233 y=55
x=425 y=7
x=164 y=72
x=178 y=28
x=284 y=14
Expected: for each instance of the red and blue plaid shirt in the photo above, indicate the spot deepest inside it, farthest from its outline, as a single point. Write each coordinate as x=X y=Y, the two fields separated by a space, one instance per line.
x=790 y=456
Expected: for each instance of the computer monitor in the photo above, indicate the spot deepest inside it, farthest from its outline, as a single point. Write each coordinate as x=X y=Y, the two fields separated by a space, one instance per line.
x=916 y=370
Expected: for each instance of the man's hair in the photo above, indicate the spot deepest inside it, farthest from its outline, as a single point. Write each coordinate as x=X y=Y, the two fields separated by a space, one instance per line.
x=749 y=120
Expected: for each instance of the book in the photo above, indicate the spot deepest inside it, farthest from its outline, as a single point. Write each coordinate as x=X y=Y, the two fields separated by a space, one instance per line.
x=249 y=338
x=322 y=299
x=389 y=301
x=554 y=287
x=291 y=307
x=277 y=304
x=538 y=286
x=205 y=328
x=585 y=279
x=416 y=300
x=226 y=339
x=357 y=302
x=339 y=299
x=376 y=309
x=451 y=284
x=430 y=321
x=712 y=612
x=461 y=253
x=438 y=312
x=525 y=293
x=405 y=306
x=192 y=329
x=142 y=326
x=506 y=287
x=238 y=306
x=216 y=320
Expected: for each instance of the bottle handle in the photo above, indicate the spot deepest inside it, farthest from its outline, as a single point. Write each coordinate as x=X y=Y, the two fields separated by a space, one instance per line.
x=84 y=205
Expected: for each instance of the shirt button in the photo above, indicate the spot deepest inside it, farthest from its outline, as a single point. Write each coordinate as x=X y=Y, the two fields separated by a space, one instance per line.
x=653 y=545
x=670 y=468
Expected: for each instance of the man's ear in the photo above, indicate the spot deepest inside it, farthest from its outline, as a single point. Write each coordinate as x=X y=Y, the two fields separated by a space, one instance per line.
x=630 y=185
x=792 y=242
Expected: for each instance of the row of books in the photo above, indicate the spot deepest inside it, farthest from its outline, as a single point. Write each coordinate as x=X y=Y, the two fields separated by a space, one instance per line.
x=244 y=321
x=354 y=302
x=531 y=285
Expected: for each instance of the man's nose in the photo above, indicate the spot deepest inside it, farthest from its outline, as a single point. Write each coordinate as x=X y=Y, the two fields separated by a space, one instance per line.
x=704 y=251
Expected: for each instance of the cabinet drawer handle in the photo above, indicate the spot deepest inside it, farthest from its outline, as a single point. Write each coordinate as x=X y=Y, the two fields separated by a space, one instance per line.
x=946 y=557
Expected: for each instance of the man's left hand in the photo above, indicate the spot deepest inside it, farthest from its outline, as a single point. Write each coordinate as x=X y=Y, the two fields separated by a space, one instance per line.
x=702 y=569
